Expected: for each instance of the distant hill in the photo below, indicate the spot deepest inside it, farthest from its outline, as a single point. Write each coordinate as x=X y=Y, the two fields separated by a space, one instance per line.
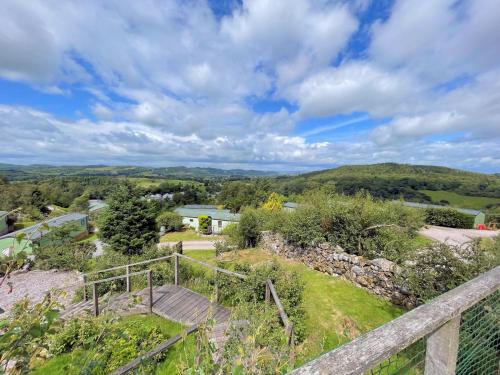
x=393 y=181
x=30 y=172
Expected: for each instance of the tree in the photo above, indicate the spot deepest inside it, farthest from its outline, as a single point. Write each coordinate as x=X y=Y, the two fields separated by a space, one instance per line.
x=81 y=203
x=205 y=224
x=273 y=203
x=171 y=221
x=128 y=224
x=249 y=227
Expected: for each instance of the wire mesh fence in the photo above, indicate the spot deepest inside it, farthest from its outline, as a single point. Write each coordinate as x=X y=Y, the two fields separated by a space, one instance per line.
x=479 y=345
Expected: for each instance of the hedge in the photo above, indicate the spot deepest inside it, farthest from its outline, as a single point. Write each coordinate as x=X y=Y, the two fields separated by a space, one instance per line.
x=448 y=217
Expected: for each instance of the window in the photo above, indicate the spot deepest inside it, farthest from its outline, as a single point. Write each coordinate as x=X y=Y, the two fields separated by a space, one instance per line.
x=190 y=220
x=220 y=223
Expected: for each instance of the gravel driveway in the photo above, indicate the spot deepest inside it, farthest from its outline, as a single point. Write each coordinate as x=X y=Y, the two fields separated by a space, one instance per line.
x=34 y=285
x=454 y=236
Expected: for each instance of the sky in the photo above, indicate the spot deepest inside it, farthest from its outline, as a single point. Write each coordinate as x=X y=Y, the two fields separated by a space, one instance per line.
x=272 y=85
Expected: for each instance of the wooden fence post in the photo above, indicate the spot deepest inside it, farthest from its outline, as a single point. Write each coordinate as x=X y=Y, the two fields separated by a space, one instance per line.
x=216 y=286
x=150 y=287
x=442 y=349
x=129 y=287
x=268 y=292
x=176 y=270
x=180 y=247
x=85 y=297
x=95 y=296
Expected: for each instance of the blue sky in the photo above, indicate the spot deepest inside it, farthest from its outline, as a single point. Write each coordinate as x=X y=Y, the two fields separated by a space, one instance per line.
x=278 y=85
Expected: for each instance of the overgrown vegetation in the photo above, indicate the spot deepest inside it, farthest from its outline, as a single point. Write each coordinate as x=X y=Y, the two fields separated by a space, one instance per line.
x=448 y=217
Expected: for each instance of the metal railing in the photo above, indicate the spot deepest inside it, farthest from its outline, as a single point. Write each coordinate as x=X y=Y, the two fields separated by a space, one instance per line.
x=456 y=332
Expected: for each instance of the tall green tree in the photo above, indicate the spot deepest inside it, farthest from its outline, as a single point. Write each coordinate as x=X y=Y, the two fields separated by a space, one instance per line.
x=129 y=223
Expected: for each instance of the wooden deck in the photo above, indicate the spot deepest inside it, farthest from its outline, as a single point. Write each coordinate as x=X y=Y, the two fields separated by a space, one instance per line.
x=169 y=301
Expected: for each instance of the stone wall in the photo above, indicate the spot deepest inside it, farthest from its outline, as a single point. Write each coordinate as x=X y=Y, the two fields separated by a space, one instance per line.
x=377 y=275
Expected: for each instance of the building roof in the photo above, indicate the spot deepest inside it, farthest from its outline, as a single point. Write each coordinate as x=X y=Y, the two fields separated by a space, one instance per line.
x=215 y=214
x=290 y=205
x=34 y=231
x=11 y=243
x=200 y=206
x=424 y=205
x=96 y=204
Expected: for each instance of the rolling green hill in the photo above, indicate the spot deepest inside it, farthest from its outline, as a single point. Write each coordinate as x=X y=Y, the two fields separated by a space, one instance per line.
x=31 y=172
x=394 y=181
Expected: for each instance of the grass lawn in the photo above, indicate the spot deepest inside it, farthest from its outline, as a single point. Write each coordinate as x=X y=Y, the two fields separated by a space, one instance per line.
x=337 y=310
x=89 y=238
x=73 y=363
x=187 y=235
x=461 y=201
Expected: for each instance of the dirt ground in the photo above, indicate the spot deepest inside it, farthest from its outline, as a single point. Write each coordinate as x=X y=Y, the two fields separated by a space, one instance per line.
x=34 y=285
x=454 y=236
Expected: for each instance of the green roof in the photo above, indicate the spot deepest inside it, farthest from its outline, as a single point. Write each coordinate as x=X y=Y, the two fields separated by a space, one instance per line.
x=215 y=214
x=18 y=246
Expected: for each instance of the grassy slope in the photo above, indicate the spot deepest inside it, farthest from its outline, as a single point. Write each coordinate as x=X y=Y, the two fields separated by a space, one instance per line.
x=337 y=310
x=72 y=363
x=461 y=201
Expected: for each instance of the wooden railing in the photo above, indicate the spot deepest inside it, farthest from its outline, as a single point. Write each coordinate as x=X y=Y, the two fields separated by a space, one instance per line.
x=95 y=294
x=271 y=292
x=159 y=349
x=437 y=321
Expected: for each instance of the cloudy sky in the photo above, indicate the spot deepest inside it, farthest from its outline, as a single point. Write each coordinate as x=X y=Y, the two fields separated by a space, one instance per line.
x=268 y=84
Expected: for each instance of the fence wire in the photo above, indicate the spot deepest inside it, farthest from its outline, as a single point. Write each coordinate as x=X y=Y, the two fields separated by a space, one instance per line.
x=479 y=348
x=479 y=345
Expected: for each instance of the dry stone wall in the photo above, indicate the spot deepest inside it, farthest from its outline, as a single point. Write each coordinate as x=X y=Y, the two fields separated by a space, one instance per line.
x=377 y=275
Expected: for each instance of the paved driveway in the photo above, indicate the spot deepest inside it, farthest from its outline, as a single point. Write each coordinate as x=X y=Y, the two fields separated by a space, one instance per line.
x=192 y=245
x=454 y=236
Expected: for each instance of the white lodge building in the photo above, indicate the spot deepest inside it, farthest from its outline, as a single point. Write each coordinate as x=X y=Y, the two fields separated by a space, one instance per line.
x=221 y=218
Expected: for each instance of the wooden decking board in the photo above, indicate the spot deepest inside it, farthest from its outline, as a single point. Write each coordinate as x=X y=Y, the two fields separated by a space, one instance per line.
x=170 y=301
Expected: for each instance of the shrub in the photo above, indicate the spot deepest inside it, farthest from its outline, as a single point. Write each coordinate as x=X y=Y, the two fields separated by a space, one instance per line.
x=288 y=284
x=109 y=343
x=442 y=267
x=359 y=224
x=170 y=220
x=65 y=257
x=249 y=228
x=205 y=224
x=303 y=226
x=448 y=217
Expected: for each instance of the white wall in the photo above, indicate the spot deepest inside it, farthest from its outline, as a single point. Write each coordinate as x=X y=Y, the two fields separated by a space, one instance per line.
x=216 y=228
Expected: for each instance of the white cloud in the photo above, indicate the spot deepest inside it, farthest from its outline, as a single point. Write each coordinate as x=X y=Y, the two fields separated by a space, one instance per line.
x=187 y=77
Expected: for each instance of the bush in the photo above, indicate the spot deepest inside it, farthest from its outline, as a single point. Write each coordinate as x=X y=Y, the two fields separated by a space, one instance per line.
x=70 y=256
x=289 y=286
x=443 y=267
x=249 y=228
x=448 y=217
x=359 y=224
x=109 y=343
x=204 y=224
x=170 y=220
x=303 y=227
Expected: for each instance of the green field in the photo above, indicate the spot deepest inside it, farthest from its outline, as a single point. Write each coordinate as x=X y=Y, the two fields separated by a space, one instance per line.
x=154 y=182
x=461 y=201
